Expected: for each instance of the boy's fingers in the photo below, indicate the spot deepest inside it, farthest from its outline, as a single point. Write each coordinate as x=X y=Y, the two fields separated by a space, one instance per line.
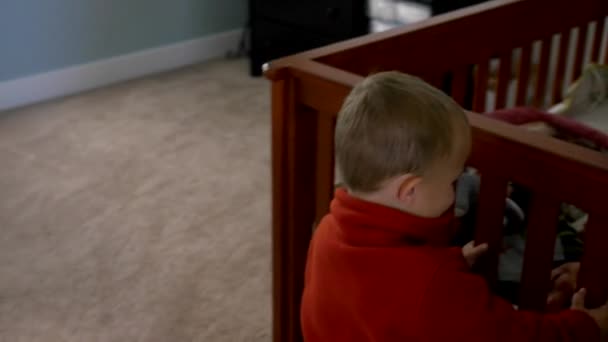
x=480 y=249
x=557 y=272
x=561 y=282
x=556 y=301
x=557 y=298
x=578 y=300
x=552 y=297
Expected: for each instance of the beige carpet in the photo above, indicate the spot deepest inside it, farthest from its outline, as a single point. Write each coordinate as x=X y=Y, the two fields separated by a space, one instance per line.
x=139 y=212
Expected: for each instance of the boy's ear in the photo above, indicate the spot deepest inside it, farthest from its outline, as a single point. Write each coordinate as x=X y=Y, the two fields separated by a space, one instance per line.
x=407 y=188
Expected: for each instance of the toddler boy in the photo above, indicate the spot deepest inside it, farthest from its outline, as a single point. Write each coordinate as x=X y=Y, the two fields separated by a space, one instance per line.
x=380 y=265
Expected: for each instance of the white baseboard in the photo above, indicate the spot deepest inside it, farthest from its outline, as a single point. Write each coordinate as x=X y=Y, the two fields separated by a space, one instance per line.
x=75 y=79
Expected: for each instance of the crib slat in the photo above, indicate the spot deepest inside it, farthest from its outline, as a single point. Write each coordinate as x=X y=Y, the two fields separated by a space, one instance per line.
x=580 y=51
x=593 y=275
x=562 y=57
x=301 y=158
x=481 y=87
x=459 y=85
x=504 y=77
x=543 y=69
x=325 y=164
x=523 y=75
x=489 y=227
x=538 y=255
x=597 y=41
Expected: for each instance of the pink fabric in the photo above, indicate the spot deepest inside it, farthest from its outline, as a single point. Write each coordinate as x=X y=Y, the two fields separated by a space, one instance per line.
x=524 y=115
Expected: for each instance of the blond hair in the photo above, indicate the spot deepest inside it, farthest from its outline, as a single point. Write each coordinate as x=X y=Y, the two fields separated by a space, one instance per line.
x=392 y=124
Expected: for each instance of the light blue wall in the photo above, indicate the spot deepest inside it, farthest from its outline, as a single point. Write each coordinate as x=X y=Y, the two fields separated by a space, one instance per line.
x=43 y=35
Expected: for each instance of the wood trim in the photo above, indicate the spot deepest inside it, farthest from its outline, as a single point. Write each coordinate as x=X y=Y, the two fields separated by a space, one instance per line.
x=74 y=79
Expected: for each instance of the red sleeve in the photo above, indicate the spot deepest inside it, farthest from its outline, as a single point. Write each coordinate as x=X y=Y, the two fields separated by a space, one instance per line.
x=458 y=306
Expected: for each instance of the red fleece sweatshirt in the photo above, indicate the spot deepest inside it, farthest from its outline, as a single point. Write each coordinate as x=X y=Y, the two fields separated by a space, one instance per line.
x=377 y=274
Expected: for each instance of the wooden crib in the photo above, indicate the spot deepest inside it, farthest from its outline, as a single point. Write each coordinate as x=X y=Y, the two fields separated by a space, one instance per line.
x=454 y=52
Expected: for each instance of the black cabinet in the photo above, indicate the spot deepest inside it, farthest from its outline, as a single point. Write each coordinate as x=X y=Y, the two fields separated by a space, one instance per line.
x=283 y=27
x=444 y=6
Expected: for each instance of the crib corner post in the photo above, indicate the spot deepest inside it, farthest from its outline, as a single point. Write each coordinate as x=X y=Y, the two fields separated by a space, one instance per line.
x=293 y=182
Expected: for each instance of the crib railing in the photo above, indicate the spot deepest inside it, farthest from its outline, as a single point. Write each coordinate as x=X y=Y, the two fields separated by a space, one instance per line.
x=555 y=172
x=521 y=53
x=308 y=90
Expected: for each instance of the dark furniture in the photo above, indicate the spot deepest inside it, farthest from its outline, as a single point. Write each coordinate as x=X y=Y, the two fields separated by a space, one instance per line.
x=283 y=27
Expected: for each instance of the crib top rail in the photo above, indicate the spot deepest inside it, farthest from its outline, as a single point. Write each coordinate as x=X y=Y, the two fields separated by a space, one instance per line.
x=495 y=27
x=459 y=52
x=565 y=170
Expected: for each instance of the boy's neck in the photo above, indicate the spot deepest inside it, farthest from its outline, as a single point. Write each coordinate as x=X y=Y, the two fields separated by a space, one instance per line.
x=380 y=197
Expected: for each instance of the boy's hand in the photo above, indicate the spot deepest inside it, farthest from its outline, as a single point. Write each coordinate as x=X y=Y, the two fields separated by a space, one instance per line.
x=472 y=252
x=600 y=315
x=564 y=285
